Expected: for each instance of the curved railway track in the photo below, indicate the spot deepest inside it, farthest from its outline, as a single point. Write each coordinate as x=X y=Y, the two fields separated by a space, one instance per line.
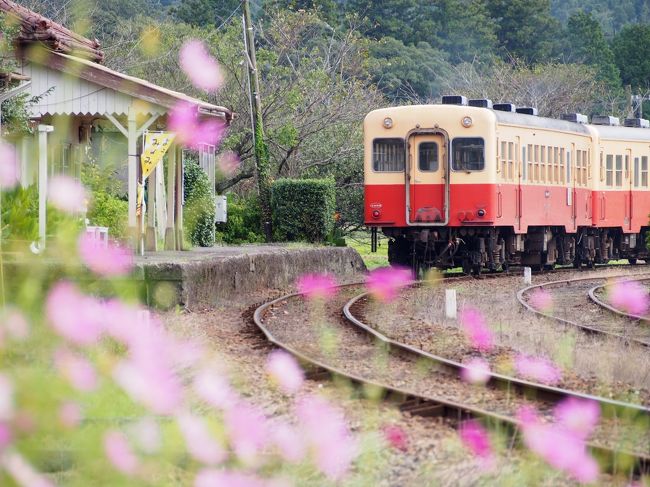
x=596 y=291
x=575 y=303
x=422 y=383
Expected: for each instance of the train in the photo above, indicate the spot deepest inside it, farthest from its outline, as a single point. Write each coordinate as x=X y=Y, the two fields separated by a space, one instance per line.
x=483 y=186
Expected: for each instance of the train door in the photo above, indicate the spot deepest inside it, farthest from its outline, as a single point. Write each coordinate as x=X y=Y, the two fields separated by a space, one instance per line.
x=571 y=185
x=628 y=189
x=427 y=193
x=521 y=181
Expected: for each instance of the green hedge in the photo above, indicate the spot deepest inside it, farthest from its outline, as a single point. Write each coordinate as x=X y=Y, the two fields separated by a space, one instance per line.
x=109 y=211
x=303 y=209
x=199 y=212
x=243 y=225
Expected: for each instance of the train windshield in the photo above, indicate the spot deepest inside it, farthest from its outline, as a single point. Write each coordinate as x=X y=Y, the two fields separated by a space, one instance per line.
x=388 y=155
x=469 y=154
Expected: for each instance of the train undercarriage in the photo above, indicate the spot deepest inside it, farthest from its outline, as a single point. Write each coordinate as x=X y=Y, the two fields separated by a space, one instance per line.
x=493 y=248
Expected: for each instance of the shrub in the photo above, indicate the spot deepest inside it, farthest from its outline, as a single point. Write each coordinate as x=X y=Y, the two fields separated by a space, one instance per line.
x=109 y=211
x=243 y=225
x=303 y=209
x=199 y=208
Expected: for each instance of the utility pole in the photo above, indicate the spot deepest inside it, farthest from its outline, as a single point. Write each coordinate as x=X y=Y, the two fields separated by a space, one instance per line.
x=262 y=163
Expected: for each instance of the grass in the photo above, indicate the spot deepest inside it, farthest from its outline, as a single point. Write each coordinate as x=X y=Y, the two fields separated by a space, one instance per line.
x=360 y=241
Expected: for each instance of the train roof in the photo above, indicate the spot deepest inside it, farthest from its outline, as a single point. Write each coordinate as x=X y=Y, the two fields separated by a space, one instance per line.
x=533 y=121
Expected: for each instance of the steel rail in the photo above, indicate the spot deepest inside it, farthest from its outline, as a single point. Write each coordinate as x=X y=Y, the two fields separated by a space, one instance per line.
x=588 y=329
x=433 y=405
x=603 y=304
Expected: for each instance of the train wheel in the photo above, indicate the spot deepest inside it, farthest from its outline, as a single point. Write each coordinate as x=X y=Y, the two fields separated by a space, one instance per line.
x=632 y=261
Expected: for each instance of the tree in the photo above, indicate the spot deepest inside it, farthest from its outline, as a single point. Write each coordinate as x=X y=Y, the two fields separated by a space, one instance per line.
x=632 y=53
x=204 y=12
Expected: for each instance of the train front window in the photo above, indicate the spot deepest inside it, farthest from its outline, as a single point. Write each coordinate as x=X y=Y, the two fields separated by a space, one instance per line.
x=388 y=155
x=469 y=154
x=428 y=156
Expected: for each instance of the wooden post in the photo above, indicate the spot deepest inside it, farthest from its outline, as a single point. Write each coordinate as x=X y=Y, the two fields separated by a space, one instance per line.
x=133 y=163
x=42 y=183
x=150 y=233
x=179 y=199
x=170 y=234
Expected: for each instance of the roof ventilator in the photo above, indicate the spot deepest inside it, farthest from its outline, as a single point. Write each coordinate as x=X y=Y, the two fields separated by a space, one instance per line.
x=637 y=122
x=605 y=120
x=575 y=117
x=505 y=107
x=481 y=103
x=454 y=100
x=527 y=111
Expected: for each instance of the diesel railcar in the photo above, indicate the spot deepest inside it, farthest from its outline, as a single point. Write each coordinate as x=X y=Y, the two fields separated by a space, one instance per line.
x=471 y=184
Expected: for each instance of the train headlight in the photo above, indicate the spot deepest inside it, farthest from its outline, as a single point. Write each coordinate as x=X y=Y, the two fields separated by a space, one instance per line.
x=388 y=123
x=466 y=122
x=376 y=214
x=481 y=212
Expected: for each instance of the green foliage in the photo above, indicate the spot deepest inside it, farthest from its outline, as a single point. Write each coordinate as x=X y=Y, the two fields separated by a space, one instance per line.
x=20 y=215
x=243 y=225
x=303 y=209
x=199 y=210
x=109 y=211
x=204 y=12
x=632 y=53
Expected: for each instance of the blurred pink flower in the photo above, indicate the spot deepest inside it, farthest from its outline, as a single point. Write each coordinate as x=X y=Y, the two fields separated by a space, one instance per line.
x=67 y=194
x=541 y=299
x=73 y=315
x=228 y=162
x=146 y=434
x=70 y=414
x=200 y=443
x=76 y=369
x=7 y=406
x=476 y=329
x=247 y=429
x=629 y=296
x=6 y=436
x=537 y=369
x=202 y=69
x=580 y=416
x=119 y=452
x=227 y=478
x=326 y=431
x=106 y=260
x=383 y=283
x=215 y=389
x=15 y=324
x=284 y=370
x=190 y=131
x=21 y=471
x=396 y=437
x=8 y=166
x=476 y=371
x=317 y=286
x=475 y=437
x=288 y=441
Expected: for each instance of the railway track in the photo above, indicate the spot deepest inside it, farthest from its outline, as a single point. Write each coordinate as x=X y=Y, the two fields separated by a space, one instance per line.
x=597 y=291
x=332 y=340
x=575 y=303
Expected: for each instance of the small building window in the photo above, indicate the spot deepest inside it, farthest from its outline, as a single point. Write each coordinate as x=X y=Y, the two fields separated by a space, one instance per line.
x=428 y=156
x=388 y=155
x=469 y=154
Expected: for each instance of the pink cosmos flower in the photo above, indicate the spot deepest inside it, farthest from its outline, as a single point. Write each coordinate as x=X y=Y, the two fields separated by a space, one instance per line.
x=383 y=283
x=537 y=369
x=476 y=329
x=15 y=324
x=202 y=69
x=228 y=162
x=580 y=416
x=146 y=434
x=227 y=478
x=317 y=286
x=247 y=429
x=541 y=299
x=190 y=131
x=396 y=437
x=215 y=389
x=325 y=430
x=200 y=443
x=284 y=370
x=73 y=315
x=476 y=371
x=119 y=452
x=8 y=167
x=70 y=414
x=475 y=437
x=21 y=471
x=106 y=260
x=7 y=406
x=76 y=369
x=67 y=194
x=629 y=296
x=6 y=436
x=288 y=441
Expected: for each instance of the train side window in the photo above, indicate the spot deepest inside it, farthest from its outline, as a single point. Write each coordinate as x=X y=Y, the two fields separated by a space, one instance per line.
x=619 y=171
x=561 y=152
x=636 y=172
x=578 y=167
x=609 y=170
x=523 y=164
x=542 y=163
x=469 y=154
x=388 y=155
x=644 y=171
x=428 y=156
x=529 y=162
x=511 y=157
x=568 y=168
x=552 y=168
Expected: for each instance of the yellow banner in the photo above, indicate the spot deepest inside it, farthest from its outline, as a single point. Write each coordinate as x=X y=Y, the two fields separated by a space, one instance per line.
x=155 y=146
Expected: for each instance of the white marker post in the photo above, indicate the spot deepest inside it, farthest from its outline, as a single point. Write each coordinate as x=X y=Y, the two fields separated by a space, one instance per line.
x=528 y=276
x=450 y=303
